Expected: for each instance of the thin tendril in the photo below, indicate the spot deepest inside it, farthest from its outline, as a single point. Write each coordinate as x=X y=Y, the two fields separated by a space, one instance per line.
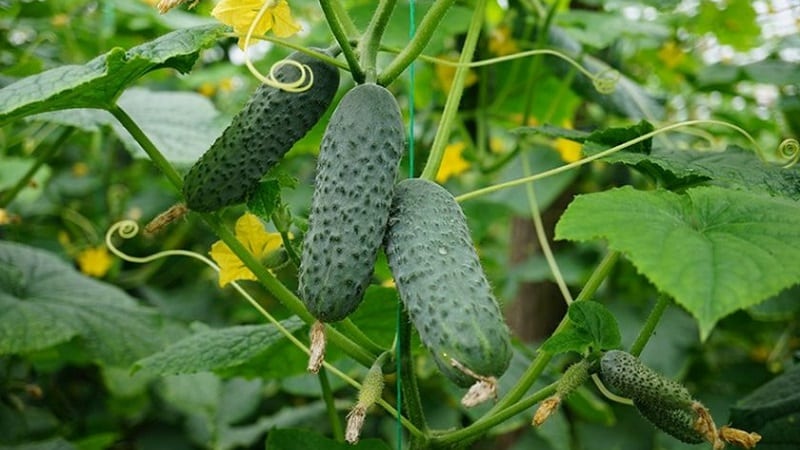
x=789 y=150
x=127 y=229
x=791 y=144
x=298 y=85
x=605 y=82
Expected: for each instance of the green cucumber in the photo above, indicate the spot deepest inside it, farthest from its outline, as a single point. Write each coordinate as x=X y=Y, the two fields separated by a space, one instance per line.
x=628 y=376
x=442 y=285
x=356 y=170
x=259 y=136
x=677 y=422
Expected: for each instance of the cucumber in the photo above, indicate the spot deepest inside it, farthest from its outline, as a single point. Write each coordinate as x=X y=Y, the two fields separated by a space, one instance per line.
x=356 y=170
x=677 y=422
x=442 y=285
x=258 y=136
x=629 y=377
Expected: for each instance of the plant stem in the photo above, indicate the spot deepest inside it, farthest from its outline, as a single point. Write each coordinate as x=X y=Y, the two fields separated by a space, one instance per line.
x=330 y=406
x=483 y=425
x=454 y=96
x=351 y=330
x=543 y=358
x=155 y=155
x=283 y=294
x=275 y=287
x=337 y=19
x=513 y=402
x=417 y=44
x=371 y=41
x=650 y=325
x=407 y=377
x=41 y=158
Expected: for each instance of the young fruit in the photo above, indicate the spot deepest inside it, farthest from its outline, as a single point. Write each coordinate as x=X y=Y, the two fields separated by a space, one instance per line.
x=259 y=135
x=629 y=377
x=356 y=171
x=441 y=282
x=679 y=423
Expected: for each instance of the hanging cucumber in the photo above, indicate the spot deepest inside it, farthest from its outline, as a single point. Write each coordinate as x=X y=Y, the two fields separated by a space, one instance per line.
x=441 y=282
x=629 y=377
x=356 y=171
x=260 y=135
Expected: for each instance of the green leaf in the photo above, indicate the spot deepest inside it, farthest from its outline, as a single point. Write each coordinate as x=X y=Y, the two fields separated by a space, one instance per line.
x=568 y=340
x=98 y=83
x=297 y=439
x=592 y=324
x=772 y=410
x=217 y=350
x=733 y=24
x=265 y=199
x=183 y=125
x=734 y=167
x=598 y=322
x=629 y=98
x=714 y=250
x=602 y=139
x=45 y=302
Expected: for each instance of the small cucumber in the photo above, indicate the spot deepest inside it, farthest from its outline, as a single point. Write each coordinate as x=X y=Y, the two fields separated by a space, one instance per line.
x=441 y=282
x=259 y=135
x=629 y=377
x=356 y=171
x=679 y=423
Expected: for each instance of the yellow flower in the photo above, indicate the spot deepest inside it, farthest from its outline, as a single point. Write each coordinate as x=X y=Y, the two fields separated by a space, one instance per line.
x=452 y=162
x=240 y=14
x=250 y=232
x=570 y=151
x=94 y=261
x=671 y=55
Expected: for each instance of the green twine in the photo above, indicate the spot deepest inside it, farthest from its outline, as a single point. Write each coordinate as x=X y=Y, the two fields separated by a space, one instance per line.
x=398 y=326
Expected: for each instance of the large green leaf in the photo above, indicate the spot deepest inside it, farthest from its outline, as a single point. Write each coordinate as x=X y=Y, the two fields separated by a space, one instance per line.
x=98 y=83
x=183 y=125
x=45 y=302
x=734 y=167
x=714 y=250
x=217 y=350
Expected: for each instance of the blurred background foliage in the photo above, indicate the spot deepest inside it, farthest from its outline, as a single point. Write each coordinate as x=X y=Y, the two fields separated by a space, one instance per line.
x=732 y=60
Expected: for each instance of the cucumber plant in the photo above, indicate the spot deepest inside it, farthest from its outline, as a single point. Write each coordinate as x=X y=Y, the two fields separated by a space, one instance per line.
x=685 y=202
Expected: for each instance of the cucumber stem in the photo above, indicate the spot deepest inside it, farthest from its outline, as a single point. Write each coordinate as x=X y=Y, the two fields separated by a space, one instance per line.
x=456 y=90
x=337 y=19
x=282 y=293
x=152 y=151
x=481 y=426
x=330 y=406
x=417 y=44
x=370 y=43
x=650 y=325
x=406 y=376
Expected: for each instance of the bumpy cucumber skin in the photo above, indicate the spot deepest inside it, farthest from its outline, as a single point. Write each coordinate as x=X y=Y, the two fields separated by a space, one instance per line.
x=629 y=377
x=441 y=282
x=356 y=170
x=677 y=422
x=259 y=136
